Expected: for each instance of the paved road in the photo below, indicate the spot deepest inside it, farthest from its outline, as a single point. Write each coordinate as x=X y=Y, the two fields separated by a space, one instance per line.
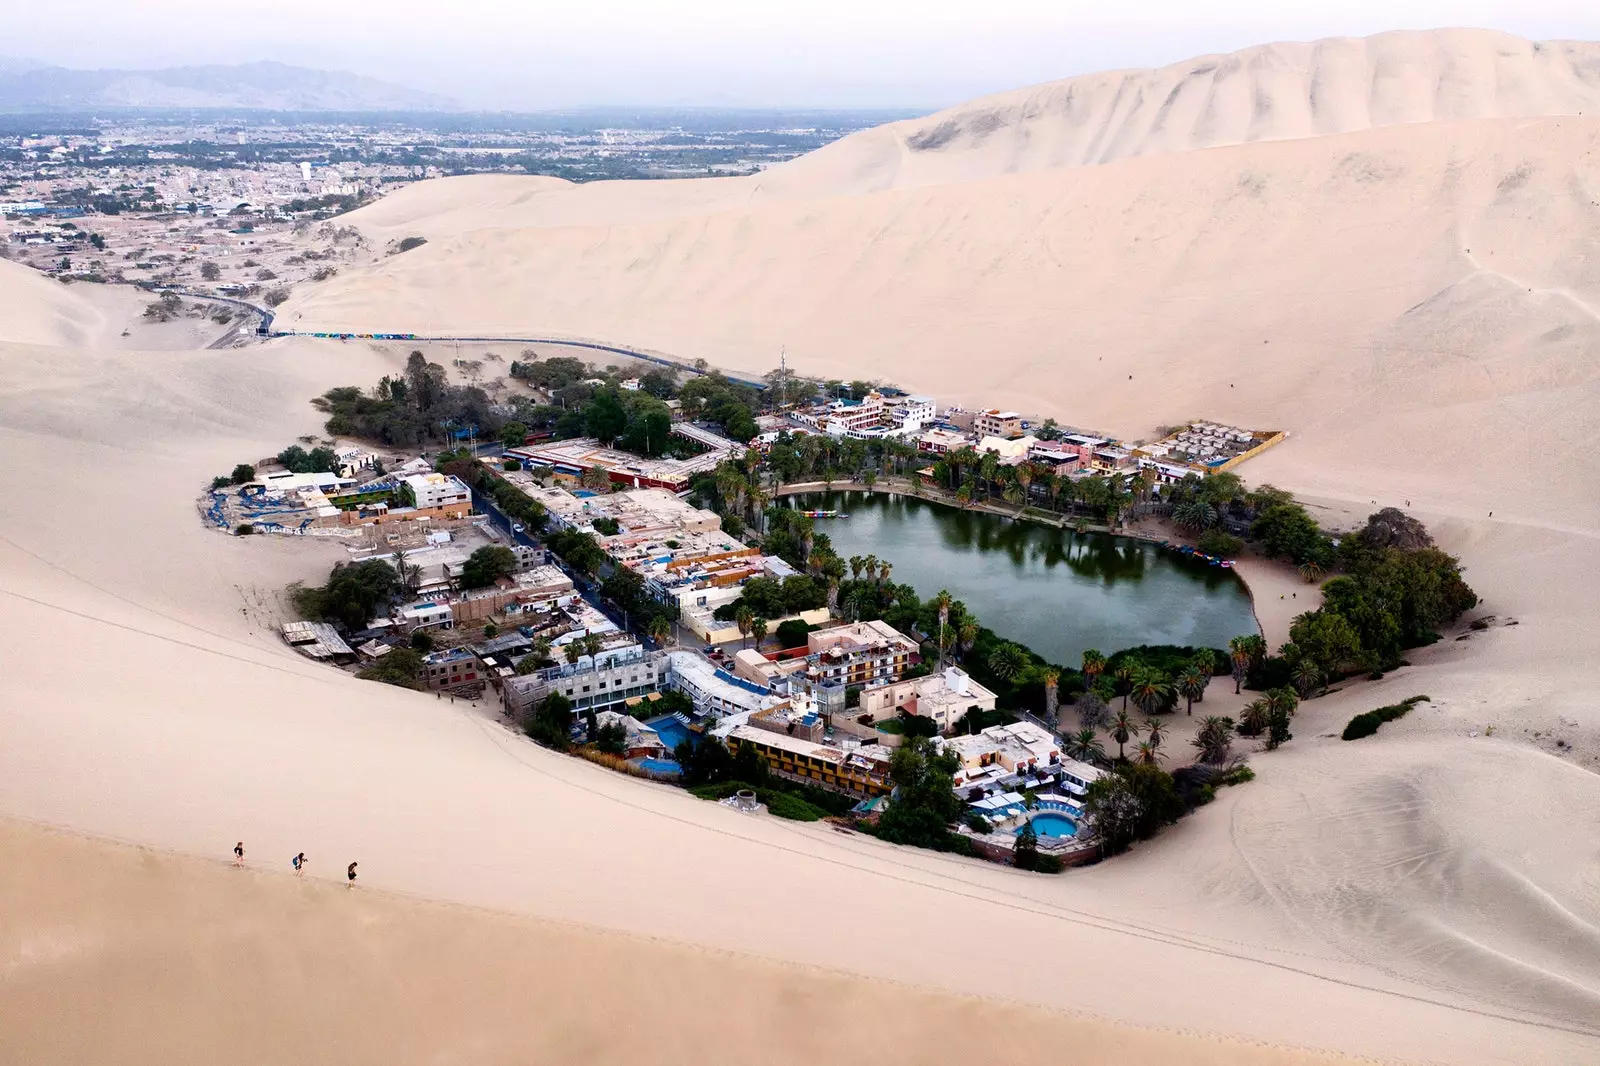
x=631 y=353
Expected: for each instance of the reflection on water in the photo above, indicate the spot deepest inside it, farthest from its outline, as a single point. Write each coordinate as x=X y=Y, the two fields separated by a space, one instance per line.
x=1057 y=591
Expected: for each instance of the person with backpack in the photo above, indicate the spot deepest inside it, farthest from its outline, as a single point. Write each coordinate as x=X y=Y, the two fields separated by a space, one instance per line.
x=299 y=864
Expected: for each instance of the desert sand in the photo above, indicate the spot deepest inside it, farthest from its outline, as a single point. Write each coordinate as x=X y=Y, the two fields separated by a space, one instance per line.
x=1428 y=894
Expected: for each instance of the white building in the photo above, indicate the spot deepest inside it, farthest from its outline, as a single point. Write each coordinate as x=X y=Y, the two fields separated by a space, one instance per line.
x=615 y=675
x=911 y=413
x=438 y=490
x=944 y=697
x=713 y=690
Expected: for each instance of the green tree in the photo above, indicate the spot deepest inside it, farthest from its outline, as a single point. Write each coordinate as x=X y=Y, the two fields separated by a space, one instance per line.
x=514 y=434
x=401 y=667
x=1132 y=803
x=242 y=473
x=925 y=805
x=1052 y=696
x=1326 y=640
x=758 y=630
x=550 y=722
x=1026 y=855
x=487 y=565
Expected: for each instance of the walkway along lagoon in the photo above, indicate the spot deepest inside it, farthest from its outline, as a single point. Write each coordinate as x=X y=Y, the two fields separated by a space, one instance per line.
x=1053 y=590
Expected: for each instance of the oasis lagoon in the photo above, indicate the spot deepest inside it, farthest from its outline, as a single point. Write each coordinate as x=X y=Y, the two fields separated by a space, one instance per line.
x=1053 y=590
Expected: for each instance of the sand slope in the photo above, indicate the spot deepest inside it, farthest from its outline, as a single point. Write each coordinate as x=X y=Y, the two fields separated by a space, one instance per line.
x=35 y=309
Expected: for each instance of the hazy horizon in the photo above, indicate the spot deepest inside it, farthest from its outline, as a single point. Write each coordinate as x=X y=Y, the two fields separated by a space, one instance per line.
x=495 y=55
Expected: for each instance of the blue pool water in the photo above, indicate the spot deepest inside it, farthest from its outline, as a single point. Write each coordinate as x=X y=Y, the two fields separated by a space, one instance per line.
x=1051 y=824
x=661 y=766
x=671 y=731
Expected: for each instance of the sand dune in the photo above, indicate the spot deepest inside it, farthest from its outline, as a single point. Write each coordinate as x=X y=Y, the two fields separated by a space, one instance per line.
x=1416 y=304
x=1272 y=92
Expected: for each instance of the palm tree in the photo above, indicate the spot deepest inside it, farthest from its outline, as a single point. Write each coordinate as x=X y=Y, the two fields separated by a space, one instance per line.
x=1214 y=740
x=1311 y=571
x=1008 y=661
x=1049 y=675
x=758 y=630
x=1124 y=674
x=1253 y=719
x=1306 y=676
x=942 y=601
x=541 y=650
x=1014 y=495
x=966 y=637
x=1257 y=646
x=1149 y=754
x=1156 y=731
x=1282 y=700
x=856 y=563
x=1123 y=729
x=1205 y=660
x=744 y=618
x=1192 y=685
x=1150 y=689
x=659 y=629
x=884 y=569
x=410 y=573
x=1084 y=745
x=964 y=495
x=869 y=568
x=1239 y=651
x=573 y=651
x=1093 y=664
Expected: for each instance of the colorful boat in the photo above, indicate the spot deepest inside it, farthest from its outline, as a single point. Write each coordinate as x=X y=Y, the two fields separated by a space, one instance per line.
x=824 y=514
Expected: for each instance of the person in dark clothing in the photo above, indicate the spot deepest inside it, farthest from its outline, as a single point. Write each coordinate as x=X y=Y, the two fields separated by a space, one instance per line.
x=238 y=854
x=299 y=863
x=350 y=872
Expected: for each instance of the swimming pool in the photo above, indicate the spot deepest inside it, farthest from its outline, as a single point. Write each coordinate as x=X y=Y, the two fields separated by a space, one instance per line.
x=661 y=766
x=1051 y=824
x=670 y=729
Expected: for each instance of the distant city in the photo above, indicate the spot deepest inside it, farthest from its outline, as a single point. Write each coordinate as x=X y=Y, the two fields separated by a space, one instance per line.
x=174 y=196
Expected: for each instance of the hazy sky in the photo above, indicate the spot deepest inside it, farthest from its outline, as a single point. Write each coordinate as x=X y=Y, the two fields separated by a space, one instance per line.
x=529 y=54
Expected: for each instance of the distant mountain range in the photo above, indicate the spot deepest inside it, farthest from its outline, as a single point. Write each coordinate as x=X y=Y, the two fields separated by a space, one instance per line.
x=28 y=86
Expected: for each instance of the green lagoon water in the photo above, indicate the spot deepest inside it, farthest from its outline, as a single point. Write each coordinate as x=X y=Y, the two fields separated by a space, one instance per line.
x=1056 y=591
